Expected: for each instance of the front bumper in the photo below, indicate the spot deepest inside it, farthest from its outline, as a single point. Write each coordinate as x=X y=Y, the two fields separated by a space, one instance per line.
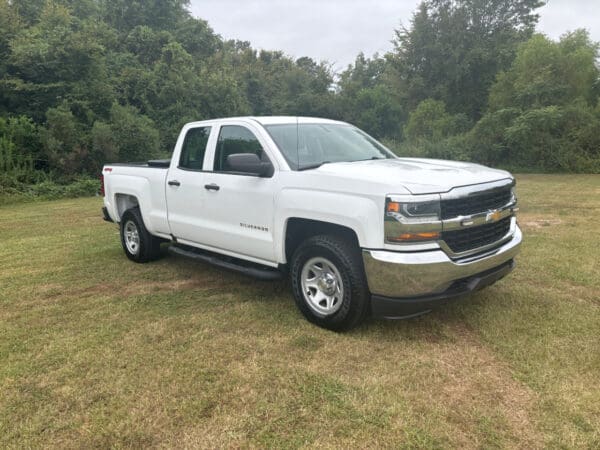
x=407 y=284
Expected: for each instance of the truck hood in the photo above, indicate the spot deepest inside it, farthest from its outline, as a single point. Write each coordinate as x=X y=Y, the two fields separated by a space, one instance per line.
x=417 y=175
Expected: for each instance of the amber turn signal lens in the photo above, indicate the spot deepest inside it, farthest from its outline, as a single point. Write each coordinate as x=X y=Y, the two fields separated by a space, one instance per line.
x=407 y=237
x=393 y=207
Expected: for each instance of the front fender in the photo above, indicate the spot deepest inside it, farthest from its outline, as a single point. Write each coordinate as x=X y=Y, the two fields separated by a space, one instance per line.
x=360 y=214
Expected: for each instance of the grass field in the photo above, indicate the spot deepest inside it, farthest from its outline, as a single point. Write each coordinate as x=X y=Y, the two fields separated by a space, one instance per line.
x=96 y=351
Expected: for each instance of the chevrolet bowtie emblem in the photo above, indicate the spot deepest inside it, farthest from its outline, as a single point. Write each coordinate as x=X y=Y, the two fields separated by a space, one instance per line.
x=492 y=216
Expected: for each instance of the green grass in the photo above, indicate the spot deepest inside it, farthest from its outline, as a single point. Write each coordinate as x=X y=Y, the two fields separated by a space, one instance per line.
x=98 y=352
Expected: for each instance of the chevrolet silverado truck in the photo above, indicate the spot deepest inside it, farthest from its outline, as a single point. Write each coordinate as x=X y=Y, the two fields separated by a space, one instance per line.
x=359 y=230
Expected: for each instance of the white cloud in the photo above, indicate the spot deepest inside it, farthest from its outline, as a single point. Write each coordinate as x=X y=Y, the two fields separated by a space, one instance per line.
x=560 y=16
x=337 y=30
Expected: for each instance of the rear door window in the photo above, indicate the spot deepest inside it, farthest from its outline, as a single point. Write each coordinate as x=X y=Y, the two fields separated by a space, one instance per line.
x=194 y=148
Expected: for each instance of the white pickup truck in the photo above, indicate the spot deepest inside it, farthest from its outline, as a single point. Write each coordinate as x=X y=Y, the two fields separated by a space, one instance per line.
x=359 y=230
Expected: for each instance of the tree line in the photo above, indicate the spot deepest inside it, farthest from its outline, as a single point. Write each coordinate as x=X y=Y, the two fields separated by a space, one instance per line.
x=83 y=82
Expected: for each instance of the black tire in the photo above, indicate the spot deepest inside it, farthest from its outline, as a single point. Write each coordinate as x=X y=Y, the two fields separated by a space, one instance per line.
x=148 y=247
x=345 y=256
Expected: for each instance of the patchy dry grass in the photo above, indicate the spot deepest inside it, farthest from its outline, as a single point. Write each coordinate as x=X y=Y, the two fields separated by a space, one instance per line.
x=96 y=351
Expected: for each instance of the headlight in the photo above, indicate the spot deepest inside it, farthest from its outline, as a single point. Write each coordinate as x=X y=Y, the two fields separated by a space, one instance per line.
x=513 y=192
x=414 y=211
x=412 y=218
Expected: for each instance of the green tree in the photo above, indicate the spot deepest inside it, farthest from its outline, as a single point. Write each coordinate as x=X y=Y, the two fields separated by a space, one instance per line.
x=487 y=143
x=547 y=73
x=124 y=15
x=10 y=24
x=19 y=150
x=542 y=110
x=368 y=99
x=28 y=10
x=58 y=58
x=430 y=121
x=135 y=135
x=174 y=92
x=454 y=49
x=64 y=143
x=197 y=38
x=104 y=143
x=147 y=44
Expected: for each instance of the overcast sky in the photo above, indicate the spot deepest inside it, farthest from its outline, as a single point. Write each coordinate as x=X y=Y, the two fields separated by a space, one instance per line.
x=337 y=30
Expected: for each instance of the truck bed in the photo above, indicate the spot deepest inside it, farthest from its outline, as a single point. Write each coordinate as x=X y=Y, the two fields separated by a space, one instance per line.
x=143 y=181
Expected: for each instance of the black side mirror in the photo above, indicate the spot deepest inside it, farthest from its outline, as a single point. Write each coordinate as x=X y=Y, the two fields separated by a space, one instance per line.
x=249 y=163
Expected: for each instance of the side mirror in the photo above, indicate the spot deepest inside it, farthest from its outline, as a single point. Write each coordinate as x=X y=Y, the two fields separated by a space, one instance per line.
x=249 y=163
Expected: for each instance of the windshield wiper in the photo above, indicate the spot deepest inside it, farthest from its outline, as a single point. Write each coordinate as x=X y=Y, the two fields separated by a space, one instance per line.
x=370 y=159
x=319 y=164
x=313 y=166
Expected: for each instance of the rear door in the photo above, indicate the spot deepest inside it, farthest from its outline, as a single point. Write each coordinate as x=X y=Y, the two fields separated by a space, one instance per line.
x=185 y=191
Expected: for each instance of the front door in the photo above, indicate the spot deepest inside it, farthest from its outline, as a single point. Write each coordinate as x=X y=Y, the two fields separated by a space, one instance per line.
x=238 y=208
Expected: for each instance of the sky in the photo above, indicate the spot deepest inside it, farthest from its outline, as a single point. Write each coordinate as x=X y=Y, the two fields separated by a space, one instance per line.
x=337 y=30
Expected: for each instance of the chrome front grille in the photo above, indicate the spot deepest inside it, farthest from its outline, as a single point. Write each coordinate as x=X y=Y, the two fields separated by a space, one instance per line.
x=472 y=238
x=475 y=203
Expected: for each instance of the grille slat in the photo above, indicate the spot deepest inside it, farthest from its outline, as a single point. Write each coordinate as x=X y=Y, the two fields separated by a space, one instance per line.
x=471 y=238
x=477 y=203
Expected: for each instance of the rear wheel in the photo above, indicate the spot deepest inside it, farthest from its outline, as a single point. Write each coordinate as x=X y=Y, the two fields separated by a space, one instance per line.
x=329 y=284
x=139 y=245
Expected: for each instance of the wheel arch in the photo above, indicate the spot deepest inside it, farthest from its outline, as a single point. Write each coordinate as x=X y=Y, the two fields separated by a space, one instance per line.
x=298 y=229
x=123 y=202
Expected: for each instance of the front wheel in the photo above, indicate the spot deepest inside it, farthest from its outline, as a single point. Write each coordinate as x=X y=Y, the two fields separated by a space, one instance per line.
x=139 y=245
x=329 y=284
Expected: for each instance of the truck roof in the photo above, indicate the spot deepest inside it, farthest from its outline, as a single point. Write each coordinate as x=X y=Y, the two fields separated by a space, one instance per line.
x=271 y=120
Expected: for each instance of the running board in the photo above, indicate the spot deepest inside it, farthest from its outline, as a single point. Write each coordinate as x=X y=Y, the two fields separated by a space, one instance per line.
x=226 y=262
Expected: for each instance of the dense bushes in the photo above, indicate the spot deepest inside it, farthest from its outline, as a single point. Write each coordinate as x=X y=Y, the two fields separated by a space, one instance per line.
x=25 y=174
x=548 y=139
x=430 y=122
x=47 y=190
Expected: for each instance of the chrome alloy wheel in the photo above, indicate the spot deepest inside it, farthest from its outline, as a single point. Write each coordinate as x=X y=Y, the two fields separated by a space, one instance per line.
x=322 y=286
x=132 y=237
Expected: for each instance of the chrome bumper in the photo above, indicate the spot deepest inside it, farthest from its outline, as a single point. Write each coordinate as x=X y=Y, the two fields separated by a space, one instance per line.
x=409 y=275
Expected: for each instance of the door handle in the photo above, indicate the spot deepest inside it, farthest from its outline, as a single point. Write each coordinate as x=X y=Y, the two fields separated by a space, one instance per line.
x=212 y=187
x=174 y=183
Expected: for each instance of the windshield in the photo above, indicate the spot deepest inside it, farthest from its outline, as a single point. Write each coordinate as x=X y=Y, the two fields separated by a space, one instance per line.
x=308 y=145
